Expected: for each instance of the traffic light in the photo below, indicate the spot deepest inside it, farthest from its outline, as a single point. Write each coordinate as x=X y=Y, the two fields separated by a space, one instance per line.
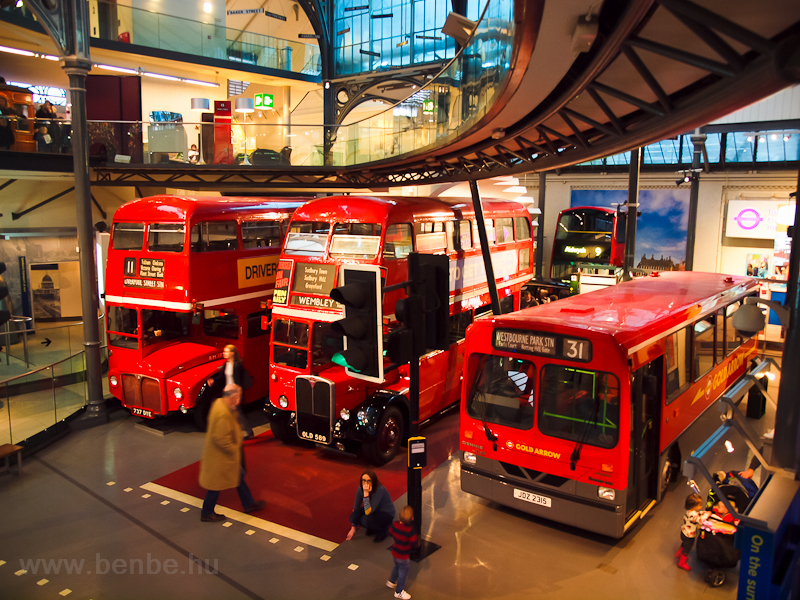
x=431 y=272
x=5 y=314
x=425 y=313
x=359 y=292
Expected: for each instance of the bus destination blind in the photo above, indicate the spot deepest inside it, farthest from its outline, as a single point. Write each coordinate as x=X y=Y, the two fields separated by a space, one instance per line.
x=542 y=344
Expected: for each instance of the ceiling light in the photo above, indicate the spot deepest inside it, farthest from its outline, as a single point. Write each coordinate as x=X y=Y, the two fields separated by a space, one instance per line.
x=244 y=105
x=749 y=138
x=207 y=7
x=762 y=139
x=159 y=76
x=786 y=138
x=197 y=82
x=118 y=69
x=17 y=51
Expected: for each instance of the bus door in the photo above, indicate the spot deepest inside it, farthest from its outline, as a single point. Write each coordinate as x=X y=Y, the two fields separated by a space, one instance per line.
x=645 y=403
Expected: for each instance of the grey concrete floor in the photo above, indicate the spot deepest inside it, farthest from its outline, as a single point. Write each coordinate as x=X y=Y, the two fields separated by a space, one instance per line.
x=81 y=500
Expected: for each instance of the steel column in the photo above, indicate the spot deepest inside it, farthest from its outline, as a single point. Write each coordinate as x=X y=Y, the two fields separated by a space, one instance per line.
x=487 y=255
x=633 y=209
x=539 y=253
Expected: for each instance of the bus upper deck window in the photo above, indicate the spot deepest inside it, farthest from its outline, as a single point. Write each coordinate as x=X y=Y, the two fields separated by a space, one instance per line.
x=211 y=236
x=398 y=242
x=128 y=236
x=165 y=237
x=523 y=227
x=504 y=229
x=307 y=238
x=356 y=240
x=261 y=234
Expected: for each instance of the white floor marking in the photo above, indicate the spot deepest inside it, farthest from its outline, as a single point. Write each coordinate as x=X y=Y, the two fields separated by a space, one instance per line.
x=235 y=515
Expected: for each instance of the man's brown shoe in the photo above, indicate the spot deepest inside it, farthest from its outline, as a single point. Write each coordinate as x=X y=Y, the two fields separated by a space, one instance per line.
x=213 y=517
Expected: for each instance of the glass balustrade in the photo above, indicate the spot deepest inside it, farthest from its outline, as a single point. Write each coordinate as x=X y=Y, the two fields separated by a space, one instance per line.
x=37 y=400
x=125 y=24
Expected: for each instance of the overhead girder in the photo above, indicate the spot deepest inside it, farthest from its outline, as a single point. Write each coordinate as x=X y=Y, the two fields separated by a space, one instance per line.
x=658 y=68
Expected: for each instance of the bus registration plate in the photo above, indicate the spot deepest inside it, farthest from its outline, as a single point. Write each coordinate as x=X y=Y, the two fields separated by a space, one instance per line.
x=532 y=498
x=141 y=412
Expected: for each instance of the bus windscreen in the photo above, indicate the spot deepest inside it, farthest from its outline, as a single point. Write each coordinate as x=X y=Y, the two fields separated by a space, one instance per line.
x=164 y=325
x=504 y=392
x=579 y=405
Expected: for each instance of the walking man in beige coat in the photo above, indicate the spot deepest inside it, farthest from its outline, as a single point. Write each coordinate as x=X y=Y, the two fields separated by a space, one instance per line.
x=221 y=466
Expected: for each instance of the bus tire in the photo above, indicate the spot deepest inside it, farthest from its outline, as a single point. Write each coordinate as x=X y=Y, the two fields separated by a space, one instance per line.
x=282 y=431
x=388 y=437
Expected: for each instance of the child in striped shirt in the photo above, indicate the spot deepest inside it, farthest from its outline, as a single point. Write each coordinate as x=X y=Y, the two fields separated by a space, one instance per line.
x=404 y=541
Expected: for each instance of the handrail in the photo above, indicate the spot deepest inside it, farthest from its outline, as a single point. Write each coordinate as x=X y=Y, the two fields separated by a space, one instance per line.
x=23 y=318
x=50 y=366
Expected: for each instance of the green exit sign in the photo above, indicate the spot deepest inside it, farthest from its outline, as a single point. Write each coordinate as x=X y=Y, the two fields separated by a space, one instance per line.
x=427 y=107
x=264 y=101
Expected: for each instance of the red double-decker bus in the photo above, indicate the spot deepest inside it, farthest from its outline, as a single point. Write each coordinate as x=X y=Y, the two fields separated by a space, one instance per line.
x=587 y=238
x=328 y=232
x=576 y=410
x=184 y=278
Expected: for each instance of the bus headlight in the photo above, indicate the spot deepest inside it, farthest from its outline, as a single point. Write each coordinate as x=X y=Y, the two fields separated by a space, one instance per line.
x=283 y=401
x=470 y=458
x=177 y=393
x=362 y=415
x=113 y=380
x=605 y=493
x=345 y=414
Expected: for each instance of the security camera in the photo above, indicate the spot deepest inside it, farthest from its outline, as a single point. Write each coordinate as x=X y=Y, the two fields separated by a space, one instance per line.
x=748 y=320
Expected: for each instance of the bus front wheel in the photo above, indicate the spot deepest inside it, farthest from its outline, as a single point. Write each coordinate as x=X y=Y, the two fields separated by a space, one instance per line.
x=283 y=431
x=388 y=437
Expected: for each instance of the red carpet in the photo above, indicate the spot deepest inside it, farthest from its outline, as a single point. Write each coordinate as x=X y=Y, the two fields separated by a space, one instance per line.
x=312 y=490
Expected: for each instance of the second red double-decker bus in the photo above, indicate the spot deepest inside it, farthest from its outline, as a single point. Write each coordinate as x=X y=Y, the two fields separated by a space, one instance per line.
x=587 y=238
x=184 y=278
x=575 y=410
x=328 y=232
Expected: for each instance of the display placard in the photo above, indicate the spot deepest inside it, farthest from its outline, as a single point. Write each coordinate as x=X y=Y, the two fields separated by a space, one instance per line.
x=282 y=277
x=313 y=278
x=542 y=344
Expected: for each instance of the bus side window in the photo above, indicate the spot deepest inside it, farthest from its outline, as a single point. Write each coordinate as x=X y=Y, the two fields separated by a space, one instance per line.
x=254 y=324
x=703 y=346
x=458 y=325
x=211 y=236
x=720 y=336
x=223 y=325
x=507 y=305
x=398 y=242
x=504 y=229
x=732 y=338
x=483 y=311
x=677 y=364
x=491 y=232
x=523 y=227
x=261 y=234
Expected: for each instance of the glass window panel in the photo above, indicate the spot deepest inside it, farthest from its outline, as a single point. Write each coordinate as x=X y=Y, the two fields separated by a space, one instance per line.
x=127 y=236
x=579 y=405
x=504 y=229
x=166 y=237
x=703 y=346
x=212 y=236
x=523 y=227
x=732 y=338
x=398 y=242
x=503 y=391
x=164 y=325
x=262 y=234
x=678 y=364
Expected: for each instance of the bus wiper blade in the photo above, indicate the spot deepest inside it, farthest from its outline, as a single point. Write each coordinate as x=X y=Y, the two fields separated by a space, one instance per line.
x=575 y=456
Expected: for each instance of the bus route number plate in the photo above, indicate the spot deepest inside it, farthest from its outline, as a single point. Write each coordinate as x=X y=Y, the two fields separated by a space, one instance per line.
x=532 y=498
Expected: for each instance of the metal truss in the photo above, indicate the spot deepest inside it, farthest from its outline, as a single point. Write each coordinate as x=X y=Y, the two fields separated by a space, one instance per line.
x=658 y=68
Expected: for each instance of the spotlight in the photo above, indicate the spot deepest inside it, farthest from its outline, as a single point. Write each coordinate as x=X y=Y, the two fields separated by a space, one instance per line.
x=729 y=446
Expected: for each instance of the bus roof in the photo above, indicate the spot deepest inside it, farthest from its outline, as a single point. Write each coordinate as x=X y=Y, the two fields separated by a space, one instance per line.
x=167 y=207
x=635 y=311
x=394 y=209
